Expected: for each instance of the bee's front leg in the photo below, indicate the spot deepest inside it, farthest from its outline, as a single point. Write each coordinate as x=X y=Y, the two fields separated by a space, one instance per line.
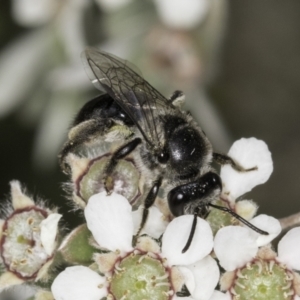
x=223 y=159
x=148 y=202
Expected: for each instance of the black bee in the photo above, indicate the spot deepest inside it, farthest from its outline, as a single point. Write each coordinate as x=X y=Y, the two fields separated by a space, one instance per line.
x=173 y=150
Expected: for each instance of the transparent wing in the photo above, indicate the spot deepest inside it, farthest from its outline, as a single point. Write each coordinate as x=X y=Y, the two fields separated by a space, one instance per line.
x=137 y=97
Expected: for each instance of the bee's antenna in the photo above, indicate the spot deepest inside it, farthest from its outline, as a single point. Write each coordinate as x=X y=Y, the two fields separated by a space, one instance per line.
x=189 y=241
x=238 y=217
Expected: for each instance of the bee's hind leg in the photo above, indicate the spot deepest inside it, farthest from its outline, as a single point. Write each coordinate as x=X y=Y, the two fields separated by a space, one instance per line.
x=223 y=159
x=122 y=152
x=79 y=135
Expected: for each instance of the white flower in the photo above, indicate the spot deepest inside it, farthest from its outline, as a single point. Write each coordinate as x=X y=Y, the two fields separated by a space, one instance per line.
x=28 y=239
x=253 y=270
x=152 y=228
x=78 y=282
x=288 y=249
x=235 y=245
x=110 y=220
x=217 y=295
x=206 y=281
x=248 y=153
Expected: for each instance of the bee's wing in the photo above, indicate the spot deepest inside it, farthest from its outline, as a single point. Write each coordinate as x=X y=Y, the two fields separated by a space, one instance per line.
x=137 y=97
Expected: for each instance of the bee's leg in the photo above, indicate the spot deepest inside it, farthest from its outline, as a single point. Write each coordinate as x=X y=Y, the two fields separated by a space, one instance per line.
x=80 y=134
x=177 y=98
x=224 y=159
x=122 y=152
x=149 y=201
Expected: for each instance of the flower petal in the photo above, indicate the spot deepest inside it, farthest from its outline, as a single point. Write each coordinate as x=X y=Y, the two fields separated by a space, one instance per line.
x=189 y=278
x=207 y=274
x=248 y=153
x=18 y=198
x=234 y=247
x=8 y=279
x=217 y=295
x=176 y=236
x=109 y=219
x=77 y=283
x=288 y=249
x=155 y=224
x=268 y=224
x=49 y=232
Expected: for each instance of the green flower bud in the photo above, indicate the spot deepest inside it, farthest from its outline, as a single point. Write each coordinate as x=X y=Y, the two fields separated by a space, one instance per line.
x=76 y=248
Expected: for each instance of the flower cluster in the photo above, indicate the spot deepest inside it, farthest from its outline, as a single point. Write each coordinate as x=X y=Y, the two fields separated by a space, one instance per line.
x=109 y=257
x=28 y=239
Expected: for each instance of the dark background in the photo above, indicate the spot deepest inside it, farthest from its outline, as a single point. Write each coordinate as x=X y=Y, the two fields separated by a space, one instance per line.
x=256 y=93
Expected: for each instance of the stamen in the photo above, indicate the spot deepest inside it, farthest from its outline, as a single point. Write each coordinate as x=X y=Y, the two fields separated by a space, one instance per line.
x=287 y=286
x=288 y=294
x=162 y=277
x=141 y=258
x=117 y=268
x=169 y=293
x=23 y=261
x=232 y=290
x=150 y=254
x=283 y=266
x=14 y=263
x=30 y=220
x=240 y=285
x=260 y=266
x=289 y=276
x=29 y=250
x=35 y=229
x=271 y=265
x=240 y=275
x=125 y=296
x=163 y=284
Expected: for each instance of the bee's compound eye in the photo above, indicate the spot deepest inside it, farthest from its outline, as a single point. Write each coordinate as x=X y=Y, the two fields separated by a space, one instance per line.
x=163 y=157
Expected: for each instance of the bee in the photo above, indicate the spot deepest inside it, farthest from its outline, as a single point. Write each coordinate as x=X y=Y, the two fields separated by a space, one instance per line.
x=172 y=150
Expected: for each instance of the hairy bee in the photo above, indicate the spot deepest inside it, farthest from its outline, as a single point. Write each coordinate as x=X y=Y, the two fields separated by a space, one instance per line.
x=172 y=151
